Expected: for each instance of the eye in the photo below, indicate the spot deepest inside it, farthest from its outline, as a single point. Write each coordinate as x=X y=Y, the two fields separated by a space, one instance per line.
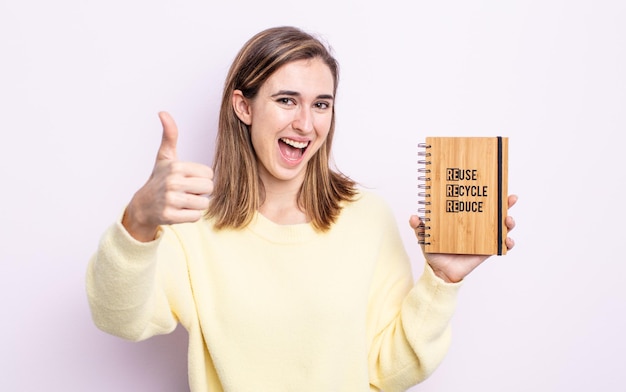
x=286 y=101
x=322 y=105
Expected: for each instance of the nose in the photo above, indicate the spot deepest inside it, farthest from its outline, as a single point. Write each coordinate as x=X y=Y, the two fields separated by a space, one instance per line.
x=303 y=120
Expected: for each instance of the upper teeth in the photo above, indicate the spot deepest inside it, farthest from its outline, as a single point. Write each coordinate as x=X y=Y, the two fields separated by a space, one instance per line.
x=294 y=143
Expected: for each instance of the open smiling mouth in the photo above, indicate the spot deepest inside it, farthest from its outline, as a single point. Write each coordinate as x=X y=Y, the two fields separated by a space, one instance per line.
x=292 y=149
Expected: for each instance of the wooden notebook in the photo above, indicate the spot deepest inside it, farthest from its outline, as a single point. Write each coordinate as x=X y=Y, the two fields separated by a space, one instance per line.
x=463 y=193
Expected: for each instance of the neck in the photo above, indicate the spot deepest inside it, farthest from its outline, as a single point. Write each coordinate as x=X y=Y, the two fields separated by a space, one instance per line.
x=280 y=204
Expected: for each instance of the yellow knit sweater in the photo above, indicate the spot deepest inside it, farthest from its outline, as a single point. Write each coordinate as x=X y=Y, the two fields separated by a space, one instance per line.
x=280 y=307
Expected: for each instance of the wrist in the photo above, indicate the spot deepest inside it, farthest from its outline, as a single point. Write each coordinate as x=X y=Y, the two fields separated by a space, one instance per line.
x=443 y=276
x=139 y=231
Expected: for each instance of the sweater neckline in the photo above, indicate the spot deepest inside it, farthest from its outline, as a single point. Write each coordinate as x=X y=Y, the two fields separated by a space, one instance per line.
x=280 y=234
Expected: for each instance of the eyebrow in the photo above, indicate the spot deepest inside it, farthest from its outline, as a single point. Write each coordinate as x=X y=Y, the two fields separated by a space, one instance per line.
x=297 y=94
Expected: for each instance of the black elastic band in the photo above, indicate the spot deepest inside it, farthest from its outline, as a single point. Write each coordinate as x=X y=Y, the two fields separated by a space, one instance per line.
x=500 y=196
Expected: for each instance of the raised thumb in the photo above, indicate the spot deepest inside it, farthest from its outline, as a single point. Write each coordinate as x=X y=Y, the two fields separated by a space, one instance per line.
x=167 y=149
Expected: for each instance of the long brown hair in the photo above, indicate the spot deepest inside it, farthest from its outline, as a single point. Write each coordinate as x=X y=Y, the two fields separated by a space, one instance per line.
x=238 y=191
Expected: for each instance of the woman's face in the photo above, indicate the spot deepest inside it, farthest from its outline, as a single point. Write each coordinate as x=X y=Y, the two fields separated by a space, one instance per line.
x=290 y=118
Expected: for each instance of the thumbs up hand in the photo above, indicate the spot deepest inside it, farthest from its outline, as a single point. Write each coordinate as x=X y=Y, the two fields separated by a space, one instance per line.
x=176 y=191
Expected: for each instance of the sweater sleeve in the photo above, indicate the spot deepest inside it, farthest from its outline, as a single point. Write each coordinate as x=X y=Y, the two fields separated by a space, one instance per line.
x=137 y=290
x=409 y=324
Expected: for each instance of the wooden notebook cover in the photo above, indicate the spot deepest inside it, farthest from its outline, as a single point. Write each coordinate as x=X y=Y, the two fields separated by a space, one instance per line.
x=466 y=195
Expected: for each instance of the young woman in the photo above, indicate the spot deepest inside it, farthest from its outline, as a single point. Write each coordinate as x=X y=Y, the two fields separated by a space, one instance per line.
x=286 y=276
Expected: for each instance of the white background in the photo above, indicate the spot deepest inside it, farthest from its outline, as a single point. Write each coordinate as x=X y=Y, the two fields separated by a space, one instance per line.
x=81 y=83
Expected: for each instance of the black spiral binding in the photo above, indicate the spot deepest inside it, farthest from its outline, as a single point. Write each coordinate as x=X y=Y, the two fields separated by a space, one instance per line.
x=423 y=195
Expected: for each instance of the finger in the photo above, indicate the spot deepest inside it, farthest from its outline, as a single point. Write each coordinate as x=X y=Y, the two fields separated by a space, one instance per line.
x=184 y=216
x=188 y=169
x=195 y=202
x=414 y=221
x=167 y=149
x=417 y=224
x=185 y=202
x=512 y=200
x=198 y=170
x=509 y=222
x=197 y=186
x=509 y=243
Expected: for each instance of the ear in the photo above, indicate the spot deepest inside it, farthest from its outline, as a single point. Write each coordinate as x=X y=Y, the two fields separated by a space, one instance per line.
x=242 y=108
